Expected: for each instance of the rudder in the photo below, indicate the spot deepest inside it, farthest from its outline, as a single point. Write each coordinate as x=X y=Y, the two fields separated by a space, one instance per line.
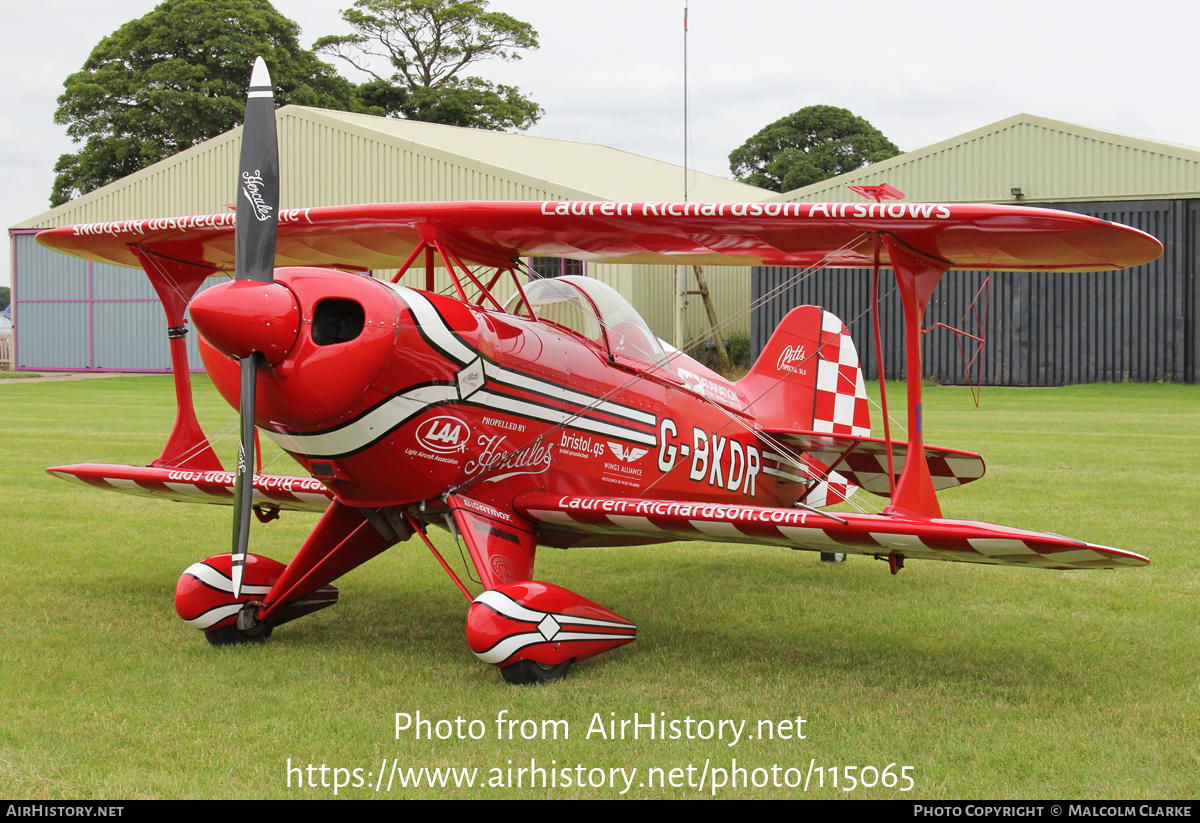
x=808 y=377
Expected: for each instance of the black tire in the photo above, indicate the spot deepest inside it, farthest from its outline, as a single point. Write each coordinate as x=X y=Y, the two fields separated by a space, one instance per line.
x=833 y=557
x=524 y=672
x=233 y=636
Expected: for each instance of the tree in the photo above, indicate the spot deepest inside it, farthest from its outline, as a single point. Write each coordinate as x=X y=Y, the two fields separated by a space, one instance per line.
x=176 y=77
x=811 y=145
x=426 y=44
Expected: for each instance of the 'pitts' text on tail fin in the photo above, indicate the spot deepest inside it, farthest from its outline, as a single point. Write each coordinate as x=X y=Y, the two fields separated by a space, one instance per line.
x=808 y=377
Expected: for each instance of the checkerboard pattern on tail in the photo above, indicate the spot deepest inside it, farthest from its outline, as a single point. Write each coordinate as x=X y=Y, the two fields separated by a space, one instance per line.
x=808 y=378
x=841 y=405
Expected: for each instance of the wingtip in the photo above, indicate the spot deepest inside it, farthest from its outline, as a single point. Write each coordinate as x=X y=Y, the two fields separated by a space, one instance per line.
x=259 y=76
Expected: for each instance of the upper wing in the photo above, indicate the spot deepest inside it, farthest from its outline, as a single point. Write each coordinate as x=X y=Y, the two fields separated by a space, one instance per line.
x=878 y=535
x=382 y=236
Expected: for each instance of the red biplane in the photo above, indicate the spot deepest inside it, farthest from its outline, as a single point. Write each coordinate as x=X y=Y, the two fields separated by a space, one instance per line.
x=557 y=418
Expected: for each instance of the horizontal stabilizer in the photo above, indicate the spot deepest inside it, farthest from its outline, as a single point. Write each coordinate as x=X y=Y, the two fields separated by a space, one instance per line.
x=897 y=537
x=301 y=494
x=862 y=461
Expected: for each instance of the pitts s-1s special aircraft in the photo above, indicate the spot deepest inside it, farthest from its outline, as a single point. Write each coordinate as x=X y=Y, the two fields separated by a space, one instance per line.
x=559 y=418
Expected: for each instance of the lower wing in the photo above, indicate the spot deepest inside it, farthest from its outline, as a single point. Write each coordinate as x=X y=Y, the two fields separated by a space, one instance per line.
x=894 y=537
x=186 y=486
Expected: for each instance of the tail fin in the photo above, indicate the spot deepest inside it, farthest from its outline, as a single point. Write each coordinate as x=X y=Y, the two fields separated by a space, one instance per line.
x=808 y=377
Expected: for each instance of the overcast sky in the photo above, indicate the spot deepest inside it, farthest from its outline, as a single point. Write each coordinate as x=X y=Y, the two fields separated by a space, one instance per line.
x=611 y=71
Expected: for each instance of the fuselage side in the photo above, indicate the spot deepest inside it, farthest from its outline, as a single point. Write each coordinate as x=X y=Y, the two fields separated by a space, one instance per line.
x=435 y=394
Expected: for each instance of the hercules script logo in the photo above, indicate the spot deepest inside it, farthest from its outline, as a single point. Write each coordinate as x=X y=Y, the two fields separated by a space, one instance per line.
x=252 y=186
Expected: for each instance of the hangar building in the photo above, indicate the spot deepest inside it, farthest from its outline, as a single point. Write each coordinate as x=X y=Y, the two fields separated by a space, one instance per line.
x=71 y=314
x=1044 y=329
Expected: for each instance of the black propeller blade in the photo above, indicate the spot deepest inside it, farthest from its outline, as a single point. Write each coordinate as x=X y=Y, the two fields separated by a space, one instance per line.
x=258 y=183
x=254 y=259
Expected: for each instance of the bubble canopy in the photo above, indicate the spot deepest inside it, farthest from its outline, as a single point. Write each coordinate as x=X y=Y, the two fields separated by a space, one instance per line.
x=593 y=310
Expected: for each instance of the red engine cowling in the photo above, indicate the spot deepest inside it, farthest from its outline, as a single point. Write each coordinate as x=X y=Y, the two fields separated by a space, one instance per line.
x=204 y=595
x=541 y=622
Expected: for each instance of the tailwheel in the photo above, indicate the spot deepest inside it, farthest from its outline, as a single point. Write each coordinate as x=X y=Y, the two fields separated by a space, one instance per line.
x=525 y=672
x=833 y=557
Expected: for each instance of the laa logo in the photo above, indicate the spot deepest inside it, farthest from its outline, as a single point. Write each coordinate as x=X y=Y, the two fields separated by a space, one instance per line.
x=627 y=455
x=444 y=434
x=788 y=356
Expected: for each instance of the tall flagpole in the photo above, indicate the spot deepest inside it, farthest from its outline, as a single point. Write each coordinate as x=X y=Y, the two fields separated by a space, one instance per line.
x=681 y=271
x=685 y=103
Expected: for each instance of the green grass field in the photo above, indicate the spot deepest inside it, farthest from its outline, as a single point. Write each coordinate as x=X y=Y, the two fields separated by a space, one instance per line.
x=987 y=682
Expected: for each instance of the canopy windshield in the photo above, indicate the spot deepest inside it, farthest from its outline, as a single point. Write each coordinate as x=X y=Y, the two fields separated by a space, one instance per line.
x=593 y=310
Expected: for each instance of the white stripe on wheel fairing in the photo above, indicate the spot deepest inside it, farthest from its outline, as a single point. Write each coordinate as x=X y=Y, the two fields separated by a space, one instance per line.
x=213 y=616
x=505 y=605
x=210 y=576
x=512 y=644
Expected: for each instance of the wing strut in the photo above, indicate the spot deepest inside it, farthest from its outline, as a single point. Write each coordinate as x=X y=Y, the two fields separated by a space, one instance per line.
x=917 y=275
x=176 y=282
x=432 y=244
x=887 y=422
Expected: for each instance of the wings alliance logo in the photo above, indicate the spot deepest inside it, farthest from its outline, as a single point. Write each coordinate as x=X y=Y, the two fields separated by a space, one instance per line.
x=626 y=455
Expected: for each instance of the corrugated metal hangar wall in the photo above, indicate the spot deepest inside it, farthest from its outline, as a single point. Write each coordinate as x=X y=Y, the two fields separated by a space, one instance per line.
x=1043 y=329
x=65 y=302
x=68 y=315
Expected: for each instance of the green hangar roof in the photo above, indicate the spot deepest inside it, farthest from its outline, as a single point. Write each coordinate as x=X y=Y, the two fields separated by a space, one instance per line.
x=332 y=158
x=1049 y=161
